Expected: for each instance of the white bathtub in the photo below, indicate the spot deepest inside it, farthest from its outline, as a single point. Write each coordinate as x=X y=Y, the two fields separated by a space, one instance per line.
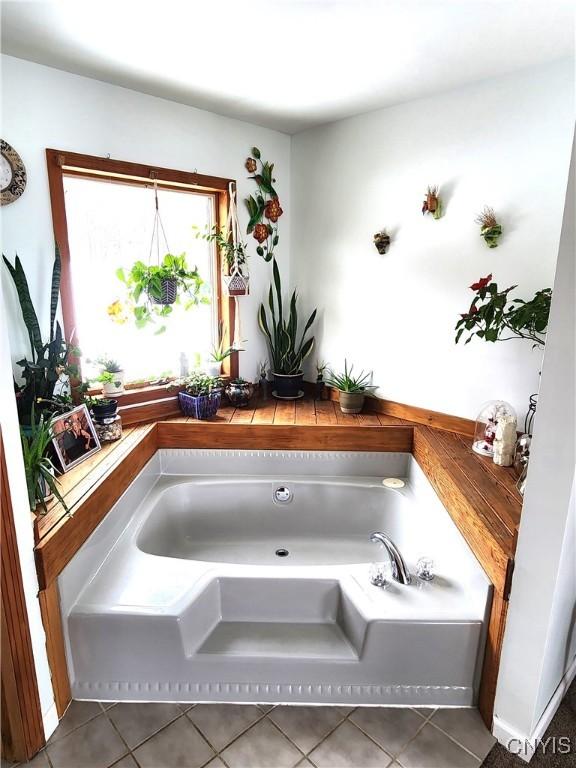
x=180 y=594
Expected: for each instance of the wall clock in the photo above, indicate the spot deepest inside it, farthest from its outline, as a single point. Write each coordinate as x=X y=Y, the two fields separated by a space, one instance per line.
x=12 y=174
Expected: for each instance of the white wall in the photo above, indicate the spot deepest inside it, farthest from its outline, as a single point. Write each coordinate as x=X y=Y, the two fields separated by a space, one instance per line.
x=503 y=143
x=44 y=107
x=540 y=639
x=23 y=526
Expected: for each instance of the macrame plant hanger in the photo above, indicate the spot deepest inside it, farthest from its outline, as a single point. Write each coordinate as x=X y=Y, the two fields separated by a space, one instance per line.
x=237 y=281
x=169 y=287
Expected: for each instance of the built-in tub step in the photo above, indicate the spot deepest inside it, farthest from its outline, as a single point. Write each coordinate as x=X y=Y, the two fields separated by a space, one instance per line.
x=279 y=640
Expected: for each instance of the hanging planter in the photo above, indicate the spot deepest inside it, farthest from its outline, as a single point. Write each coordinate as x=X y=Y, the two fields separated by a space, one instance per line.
x=490 y=230
x=153 y=289
x=168 y=292
x=432 y=203
x=233 y=251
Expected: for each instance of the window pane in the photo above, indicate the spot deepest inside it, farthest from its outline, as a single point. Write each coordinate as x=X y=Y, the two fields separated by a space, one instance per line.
x=109 y=226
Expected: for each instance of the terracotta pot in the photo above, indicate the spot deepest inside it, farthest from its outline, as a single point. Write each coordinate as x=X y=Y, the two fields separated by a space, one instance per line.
x=351 y=402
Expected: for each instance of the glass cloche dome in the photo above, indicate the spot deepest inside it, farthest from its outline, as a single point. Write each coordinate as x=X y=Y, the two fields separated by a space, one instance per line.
x=486 y=421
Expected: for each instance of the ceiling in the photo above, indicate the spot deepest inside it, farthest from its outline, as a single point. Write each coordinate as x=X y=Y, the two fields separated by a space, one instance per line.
x=289 y=64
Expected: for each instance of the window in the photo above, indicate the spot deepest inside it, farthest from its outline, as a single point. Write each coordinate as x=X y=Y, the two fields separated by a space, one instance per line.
x=103 y=214
x=110 y=226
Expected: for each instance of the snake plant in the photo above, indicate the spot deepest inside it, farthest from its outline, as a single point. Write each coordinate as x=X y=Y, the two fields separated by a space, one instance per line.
x=47 y=359
x=287 y=352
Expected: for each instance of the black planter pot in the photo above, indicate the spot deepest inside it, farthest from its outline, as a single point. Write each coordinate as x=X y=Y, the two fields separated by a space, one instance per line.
x=105 y=411
x=169 y=292
x=288 y=386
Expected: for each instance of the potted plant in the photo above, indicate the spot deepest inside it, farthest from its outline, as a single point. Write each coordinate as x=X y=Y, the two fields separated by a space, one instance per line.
x=494 y=317
x=264 y=384
x=219 y=353
x=234 y=257
x=490 y=229
x=40 y=480
x=200 y=396
x=320 y=383
x=111 y=376
x=239 y=392
x=102 y=408
x=352 y=389
x=287 y=352
x=49 y=362
x=154 y=289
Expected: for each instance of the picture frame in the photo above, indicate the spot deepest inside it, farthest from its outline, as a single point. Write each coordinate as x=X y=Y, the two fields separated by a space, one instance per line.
x=75 y=438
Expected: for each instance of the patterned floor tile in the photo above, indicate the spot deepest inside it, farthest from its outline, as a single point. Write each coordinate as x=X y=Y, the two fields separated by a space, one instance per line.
x=433 y=749
x=137 y=722
x=348 y=747
x=78 y=713
x=306 y=726
x=94 y=745
x=391 y=727
x=467 y=727
x=263 y=746
x=179 y=745
x=221 y=723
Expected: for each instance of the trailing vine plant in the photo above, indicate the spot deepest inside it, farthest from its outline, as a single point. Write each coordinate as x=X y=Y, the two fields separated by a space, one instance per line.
x=494 y=317
x=264 y=206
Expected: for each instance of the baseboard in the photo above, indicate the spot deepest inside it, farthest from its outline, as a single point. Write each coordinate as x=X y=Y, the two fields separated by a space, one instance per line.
x=523 y=745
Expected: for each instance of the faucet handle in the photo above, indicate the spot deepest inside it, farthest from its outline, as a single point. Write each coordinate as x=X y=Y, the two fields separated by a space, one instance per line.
x=425 y=568
x=379 y=574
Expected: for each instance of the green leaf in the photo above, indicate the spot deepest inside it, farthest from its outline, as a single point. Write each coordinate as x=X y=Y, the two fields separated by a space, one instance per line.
x=256 y=153
x=55 y=288
x=28 y=312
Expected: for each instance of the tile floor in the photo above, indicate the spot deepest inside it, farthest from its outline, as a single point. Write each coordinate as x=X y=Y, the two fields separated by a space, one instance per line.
x=93 y=735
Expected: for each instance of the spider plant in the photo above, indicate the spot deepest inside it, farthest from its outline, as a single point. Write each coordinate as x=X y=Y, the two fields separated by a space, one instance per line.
x=38 y=466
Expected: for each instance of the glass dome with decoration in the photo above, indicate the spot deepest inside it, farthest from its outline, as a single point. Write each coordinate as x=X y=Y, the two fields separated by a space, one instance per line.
x=486 y=423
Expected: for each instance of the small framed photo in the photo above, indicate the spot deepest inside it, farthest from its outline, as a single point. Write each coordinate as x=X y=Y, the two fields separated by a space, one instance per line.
x=74 y=437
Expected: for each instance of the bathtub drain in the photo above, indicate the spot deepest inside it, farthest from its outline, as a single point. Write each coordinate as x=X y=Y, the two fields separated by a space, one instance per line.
x=282 y=552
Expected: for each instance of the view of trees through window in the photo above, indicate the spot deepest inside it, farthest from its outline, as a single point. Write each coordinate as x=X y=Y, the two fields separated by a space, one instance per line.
x=110 y=226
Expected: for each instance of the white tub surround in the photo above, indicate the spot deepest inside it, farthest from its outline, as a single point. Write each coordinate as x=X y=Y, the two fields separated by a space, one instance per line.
x=179 y=594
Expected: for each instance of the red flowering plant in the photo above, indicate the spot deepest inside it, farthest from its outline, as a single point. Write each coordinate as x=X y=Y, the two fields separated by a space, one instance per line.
x=494 y=317
x=264 y=206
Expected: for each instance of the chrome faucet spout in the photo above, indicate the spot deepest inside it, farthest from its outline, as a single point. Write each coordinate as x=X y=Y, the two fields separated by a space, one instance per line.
x=400 y=572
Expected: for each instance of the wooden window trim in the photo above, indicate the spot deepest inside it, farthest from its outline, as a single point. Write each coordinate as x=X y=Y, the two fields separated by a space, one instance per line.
x=62 y=163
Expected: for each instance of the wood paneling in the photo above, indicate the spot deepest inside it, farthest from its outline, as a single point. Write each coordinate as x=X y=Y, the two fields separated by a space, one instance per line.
x=489 y=538
x=414 y=414
x=52 y=620
x=148 y=412
x=288 y=437
x=77 y=481
x=22 y=728
x=60 y=544
x=493 y=651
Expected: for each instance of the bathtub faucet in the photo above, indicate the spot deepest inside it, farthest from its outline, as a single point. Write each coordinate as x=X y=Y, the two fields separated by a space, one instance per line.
x=400 y=571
